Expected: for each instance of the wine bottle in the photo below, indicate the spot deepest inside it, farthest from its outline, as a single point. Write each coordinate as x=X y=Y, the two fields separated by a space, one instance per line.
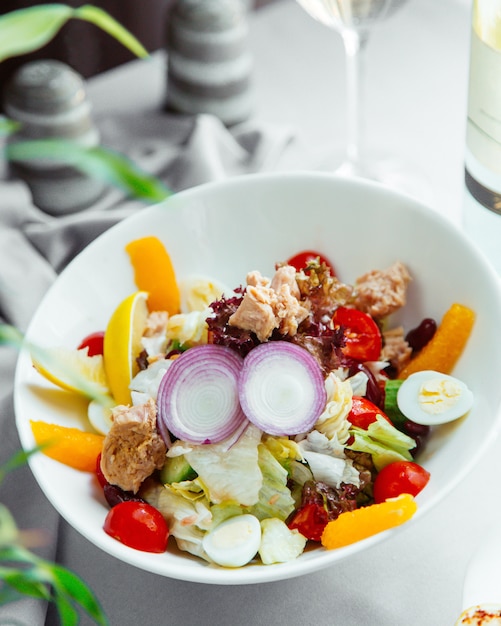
x=482 y=202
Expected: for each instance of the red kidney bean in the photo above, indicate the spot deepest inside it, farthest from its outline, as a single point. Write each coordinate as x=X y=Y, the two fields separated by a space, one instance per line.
x=114 y=495
x=419 y=433
x=418 y=337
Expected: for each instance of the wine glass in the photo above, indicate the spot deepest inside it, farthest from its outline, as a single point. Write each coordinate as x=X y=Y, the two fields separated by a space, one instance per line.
x=353 y=20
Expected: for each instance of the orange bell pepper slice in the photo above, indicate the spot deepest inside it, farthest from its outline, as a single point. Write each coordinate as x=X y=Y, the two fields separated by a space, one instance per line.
x=443 y=350
x=70 y=446
x=154 y=273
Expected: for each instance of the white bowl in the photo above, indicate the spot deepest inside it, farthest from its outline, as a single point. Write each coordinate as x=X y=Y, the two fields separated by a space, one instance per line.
x=224 y=230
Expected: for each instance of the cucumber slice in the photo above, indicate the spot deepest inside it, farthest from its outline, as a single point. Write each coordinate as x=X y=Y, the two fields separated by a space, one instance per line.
x=391 y=405
x=176 y=469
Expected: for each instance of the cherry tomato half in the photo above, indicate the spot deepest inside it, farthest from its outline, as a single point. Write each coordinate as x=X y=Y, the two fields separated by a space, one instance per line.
x=94 y=342
x=137 y=525
x=364 y=412
x=301 y=260
x=362 y=334
x=400 y=477
x=310 y=520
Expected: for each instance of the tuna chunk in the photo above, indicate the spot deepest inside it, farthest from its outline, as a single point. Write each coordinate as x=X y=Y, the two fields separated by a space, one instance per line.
x=133 y=449
x=286 y=275
x=266 y=306
x=381 y=292
x=396 y=350
x=256 y=313
x=156 y=324
x=255 y=279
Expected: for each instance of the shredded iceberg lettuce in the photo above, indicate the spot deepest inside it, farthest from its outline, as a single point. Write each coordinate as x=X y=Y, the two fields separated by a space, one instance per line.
x=146 y=382
x=189 y=329
x=327 y=460
x=282 y=448
x=275 y=499
x=278 y=543
x=188 y=520
x=230 y=474
x=333 y=420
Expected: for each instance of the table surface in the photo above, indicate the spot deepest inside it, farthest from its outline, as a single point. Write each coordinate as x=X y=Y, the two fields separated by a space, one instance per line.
x=417 y=82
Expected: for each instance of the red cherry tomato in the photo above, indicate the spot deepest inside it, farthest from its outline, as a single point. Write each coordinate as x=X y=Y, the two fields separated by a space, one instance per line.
x=310 y=520
x=363 y=413
x=94 y=342
x=137 y=525
x=362 y=334
x=400 y=477
x=301 y=260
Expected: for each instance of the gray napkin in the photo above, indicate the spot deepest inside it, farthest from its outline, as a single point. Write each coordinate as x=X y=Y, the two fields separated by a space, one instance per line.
x=182 y=151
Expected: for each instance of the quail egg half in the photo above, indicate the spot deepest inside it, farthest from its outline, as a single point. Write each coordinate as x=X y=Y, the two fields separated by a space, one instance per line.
x=431 y=398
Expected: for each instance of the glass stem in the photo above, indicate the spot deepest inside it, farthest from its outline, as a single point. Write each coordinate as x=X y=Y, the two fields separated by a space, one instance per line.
x=355 y=44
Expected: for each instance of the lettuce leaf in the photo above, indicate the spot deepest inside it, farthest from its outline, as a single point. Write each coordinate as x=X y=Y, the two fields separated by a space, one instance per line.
x=383 y=442
x=188 y=520
x=229 y=473
x=275 y=498
x=278 y=543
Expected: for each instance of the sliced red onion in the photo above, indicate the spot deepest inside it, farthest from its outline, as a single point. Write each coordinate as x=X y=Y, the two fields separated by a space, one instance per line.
x=198 y=396
x=281 y=388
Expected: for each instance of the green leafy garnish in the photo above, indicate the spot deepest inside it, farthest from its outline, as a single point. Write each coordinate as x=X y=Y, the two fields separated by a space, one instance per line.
x=29 y=29
x=8 y=126
x=23 y=573
x=53 y=361
x=98 y=162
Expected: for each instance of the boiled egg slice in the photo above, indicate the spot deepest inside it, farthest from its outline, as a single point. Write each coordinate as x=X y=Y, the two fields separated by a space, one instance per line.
x=234 y=542
x=430 y=398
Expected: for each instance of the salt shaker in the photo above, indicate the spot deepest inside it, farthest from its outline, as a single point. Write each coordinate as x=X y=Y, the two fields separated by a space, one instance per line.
x=209 y=65
x=48 y=99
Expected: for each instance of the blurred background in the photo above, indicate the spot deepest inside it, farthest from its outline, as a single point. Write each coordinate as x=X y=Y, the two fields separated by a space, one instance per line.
x=87 y=49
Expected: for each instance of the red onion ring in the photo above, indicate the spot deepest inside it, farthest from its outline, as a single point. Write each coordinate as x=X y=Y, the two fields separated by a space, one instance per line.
x=281 y=388
x=198 y=395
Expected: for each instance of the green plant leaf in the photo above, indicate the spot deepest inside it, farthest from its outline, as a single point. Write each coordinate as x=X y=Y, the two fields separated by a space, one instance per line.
x=108 y=24
x=40 y=575
x=111 y=167
x=7 y=126
x=16 y=553
x=10 y=336
x=67 y=613
x=25 y=30
x=69 y=584
x=8 y=594
x=25 y=582
x=28 y=29
x=39 y=578
x=8 y=530
x=19 y=459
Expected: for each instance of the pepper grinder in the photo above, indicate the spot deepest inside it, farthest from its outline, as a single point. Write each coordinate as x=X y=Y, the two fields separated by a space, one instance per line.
x=48 y=100
x=209 y=65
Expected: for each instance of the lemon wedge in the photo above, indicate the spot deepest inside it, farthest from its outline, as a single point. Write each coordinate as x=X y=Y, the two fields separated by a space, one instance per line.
x=73 y=370
x=122 y=344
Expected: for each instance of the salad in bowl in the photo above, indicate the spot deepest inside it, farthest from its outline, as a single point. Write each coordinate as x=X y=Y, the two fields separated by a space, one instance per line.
x=228 y=407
